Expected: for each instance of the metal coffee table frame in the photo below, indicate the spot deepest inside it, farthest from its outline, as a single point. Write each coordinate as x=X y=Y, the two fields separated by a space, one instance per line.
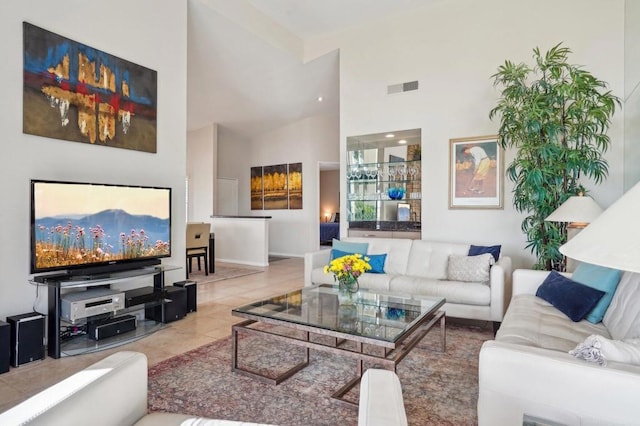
x=392 y=352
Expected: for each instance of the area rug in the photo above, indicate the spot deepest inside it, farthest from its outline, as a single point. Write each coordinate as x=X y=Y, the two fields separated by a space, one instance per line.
x=222 y=272
x=438 y=388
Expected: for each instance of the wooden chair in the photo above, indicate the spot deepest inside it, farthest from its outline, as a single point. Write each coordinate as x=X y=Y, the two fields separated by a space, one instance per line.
x=198 y=245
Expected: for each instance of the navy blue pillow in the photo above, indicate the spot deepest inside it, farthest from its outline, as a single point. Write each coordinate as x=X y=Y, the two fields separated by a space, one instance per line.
x=478 y=250
x=573 y=299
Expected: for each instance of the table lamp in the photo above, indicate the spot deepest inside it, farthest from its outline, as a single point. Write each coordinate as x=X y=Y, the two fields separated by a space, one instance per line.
x=613 y=239
x=578 y=211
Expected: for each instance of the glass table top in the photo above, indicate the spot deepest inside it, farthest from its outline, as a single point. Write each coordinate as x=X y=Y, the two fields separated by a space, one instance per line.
x=377 y=315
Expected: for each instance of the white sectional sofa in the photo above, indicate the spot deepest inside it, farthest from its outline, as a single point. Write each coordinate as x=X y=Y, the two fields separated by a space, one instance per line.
x=113 y=392
x=528 y=370
x=420 y=267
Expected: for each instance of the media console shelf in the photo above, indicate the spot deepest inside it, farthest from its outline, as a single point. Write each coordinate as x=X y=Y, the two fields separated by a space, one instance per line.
x=57 y=346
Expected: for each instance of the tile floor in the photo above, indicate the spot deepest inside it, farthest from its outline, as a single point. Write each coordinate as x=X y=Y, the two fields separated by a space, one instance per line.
x=211 y=322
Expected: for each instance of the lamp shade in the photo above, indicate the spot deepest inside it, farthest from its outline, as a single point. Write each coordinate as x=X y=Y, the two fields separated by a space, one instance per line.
x=580 y=209
x=613 y=239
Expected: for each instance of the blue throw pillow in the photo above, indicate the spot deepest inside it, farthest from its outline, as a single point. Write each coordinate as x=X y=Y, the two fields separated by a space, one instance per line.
x=350 y=247
x=338 y=253
x=573 y=299
x=377 y=263
x=478 y=250
x=600 y=278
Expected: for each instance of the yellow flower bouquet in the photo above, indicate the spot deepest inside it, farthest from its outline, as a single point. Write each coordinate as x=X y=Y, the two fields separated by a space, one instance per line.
x=347 y=269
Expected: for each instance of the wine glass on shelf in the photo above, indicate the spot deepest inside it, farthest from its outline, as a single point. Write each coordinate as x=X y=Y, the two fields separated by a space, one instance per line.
x=402 y=172
x=371 y=172
x=413 y=171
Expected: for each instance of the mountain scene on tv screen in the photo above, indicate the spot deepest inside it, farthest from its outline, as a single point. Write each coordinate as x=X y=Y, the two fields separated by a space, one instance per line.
x=109 y=235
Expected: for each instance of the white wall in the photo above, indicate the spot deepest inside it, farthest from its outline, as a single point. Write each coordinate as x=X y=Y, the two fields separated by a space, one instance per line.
x=310 y=140
x=632 y=93
x=202 y=170
x=452 y=48
x=233 y=160
x=122 y=28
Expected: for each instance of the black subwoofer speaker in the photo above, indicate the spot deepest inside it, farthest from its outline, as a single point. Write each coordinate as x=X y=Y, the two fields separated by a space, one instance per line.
x=5 y=346
x=192 y=296
x=27 y=338
x=175 y=306
x=103 y=329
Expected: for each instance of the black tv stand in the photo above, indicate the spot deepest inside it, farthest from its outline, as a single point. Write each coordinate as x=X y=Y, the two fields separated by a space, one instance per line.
x=58 y=346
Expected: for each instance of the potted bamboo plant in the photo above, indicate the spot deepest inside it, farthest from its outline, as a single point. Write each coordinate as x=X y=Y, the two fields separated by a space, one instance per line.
x=556 y=115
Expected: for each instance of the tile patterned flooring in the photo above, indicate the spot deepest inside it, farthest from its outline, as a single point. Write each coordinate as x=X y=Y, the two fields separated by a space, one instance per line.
x=211 y=322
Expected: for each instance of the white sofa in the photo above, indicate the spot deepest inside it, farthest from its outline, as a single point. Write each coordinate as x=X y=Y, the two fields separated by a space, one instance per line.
x=419 y=267
x=527 y=369
x=113 y=392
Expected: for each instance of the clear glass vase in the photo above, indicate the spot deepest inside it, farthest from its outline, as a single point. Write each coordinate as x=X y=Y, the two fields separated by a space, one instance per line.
x=348 y=284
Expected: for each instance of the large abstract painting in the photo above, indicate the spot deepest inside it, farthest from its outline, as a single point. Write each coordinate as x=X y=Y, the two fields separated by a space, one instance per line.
x=77 y=93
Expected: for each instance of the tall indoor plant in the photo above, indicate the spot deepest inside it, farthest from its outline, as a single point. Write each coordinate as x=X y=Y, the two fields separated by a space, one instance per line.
x=556 y=115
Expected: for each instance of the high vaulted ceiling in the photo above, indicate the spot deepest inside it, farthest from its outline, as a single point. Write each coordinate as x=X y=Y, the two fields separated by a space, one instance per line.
x=245 y=59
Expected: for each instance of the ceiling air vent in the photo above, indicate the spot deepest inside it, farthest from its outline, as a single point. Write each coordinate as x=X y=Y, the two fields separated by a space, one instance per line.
x=402 y=87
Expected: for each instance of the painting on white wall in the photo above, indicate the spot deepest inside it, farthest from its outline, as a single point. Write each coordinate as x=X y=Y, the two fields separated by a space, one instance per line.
x=77 y=93
x=257 y=186
x=295 y=186
x=475 y=173
x=277 y=187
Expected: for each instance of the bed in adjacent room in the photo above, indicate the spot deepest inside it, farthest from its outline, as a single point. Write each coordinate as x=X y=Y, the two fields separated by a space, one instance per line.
x=329 y=231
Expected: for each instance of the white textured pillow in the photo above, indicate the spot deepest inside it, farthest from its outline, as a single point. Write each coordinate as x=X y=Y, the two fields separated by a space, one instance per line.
x=469 y=268
x=600 y=350
x=622 y=318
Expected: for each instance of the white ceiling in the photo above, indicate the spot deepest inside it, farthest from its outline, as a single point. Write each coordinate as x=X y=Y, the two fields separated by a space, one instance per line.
x=244 y=70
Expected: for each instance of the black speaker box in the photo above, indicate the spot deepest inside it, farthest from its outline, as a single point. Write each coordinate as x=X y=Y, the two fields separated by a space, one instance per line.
x=175 y=306
x=98 y=330
x=192 y=296
x=138 y=296
x=5 y=347
x=27 y=338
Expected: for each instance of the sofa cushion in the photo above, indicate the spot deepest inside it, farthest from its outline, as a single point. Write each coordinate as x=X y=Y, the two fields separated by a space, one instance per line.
x=493 y=250
x=531 y=321
x=378 y=282
x=429 y=259
x=600 y=278
x=396 y=249
x=350 y=247
x=573 y=299
x=469 y=268
x=319 y=277
x=622 y=318
x=466 y=293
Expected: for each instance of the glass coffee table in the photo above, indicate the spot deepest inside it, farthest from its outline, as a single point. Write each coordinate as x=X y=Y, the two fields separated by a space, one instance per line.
x=393 y=324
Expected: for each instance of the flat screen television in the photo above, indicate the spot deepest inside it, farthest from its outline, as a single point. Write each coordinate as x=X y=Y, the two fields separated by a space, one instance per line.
x=90 y=227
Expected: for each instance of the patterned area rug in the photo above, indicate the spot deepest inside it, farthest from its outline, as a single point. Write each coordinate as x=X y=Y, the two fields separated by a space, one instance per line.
x=438 y=388
x=222 y=272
